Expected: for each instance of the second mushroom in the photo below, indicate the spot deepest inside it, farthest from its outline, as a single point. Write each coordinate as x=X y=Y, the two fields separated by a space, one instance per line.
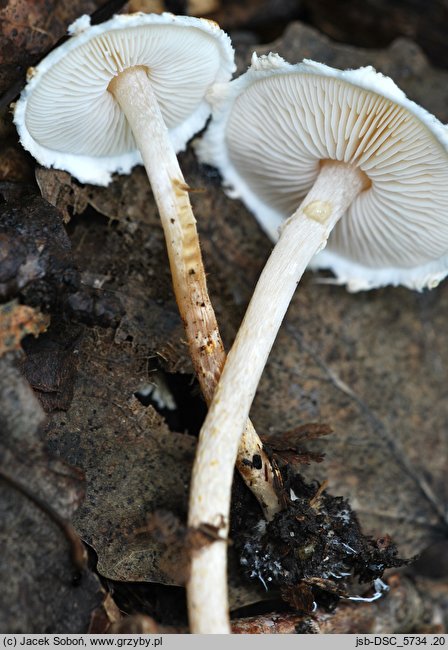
x=325 y=155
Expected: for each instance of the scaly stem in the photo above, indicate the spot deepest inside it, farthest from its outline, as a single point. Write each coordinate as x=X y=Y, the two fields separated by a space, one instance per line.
x=303 y=235
x=133 y=91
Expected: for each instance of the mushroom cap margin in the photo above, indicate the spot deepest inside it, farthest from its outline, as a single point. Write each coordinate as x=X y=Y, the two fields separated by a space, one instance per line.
x=98 y=170
x=212 y=149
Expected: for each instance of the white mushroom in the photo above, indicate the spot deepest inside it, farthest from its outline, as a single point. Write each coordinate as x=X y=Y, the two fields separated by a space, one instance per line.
x=133 y=90
x=318 y=144
x=357 y=117
x=68 y=116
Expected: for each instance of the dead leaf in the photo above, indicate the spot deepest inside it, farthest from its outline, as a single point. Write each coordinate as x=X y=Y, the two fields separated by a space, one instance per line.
x=45 y=582
x=140 y=624
x=50 y=365
x=105 y=617
x=36 y=257
x=134 y=291
x=28 y=30
x=404 y=609
x=284 y=445
x=299 y=597
x=127 y=198
x=133 y=466
x=16 y=322
x=61 y=190
x=146 y=6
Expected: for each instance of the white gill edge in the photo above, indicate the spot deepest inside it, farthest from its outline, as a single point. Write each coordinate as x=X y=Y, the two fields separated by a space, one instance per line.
x=211 y=149
x=79 y=25
x=361 y=278
x=99 y=170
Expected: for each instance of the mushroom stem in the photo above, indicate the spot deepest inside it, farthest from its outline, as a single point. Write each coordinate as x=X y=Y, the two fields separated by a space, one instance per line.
x=304 y=234
x=135 y=95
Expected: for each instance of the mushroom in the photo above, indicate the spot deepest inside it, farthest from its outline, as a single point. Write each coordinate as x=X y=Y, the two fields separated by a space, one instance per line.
x=319 y=144
x=132 y=90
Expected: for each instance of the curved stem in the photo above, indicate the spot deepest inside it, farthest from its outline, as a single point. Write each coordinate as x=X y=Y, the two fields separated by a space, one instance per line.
x=132 y=90
x=303 y=235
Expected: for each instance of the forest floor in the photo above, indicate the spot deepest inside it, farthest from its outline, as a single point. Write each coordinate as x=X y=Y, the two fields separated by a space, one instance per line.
x=99 y=407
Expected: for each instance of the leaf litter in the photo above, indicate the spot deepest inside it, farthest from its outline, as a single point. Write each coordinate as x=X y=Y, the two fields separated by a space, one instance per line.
x=46 y=585
x=356 y=363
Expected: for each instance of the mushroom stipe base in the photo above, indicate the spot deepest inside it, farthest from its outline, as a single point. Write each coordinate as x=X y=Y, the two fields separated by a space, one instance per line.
x=314 y=550
x=336 y=187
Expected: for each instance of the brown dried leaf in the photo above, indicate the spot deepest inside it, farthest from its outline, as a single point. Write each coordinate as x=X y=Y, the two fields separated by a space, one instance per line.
x=105 y=617
x=147 y=6
x=16 y=322
x=141 y=624
x=134 y=466
x=62 y=191
x=127 y=198
x=284 y=447
x=299 y=597
x=123 y=260
x=405 y=608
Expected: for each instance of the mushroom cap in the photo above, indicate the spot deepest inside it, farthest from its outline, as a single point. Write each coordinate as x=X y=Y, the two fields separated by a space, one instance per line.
x=67 y=118
x=273 y=125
